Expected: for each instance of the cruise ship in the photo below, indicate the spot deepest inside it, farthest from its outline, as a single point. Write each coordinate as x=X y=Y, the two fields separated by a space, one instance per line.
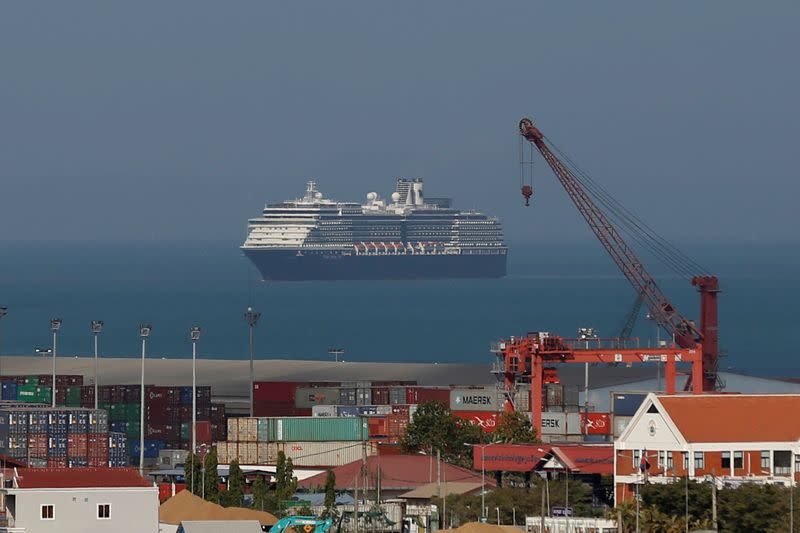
x=406 y=237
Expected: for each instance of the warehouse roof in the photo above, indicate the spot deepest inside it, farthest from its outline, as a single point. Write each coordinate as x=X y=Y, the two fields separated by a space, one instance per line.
x=397 y=472
x=430 y=490
x=57 y=478
x=735 y=418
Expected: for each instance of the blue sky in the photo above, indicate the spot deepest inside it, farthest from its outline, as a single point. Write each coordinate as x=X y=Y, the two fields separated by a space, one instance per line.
x=168 y=121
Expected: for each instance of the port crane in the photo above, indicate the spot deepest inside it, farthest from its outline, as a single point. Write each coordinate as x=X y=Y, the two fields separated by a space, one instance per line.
x=525 y=356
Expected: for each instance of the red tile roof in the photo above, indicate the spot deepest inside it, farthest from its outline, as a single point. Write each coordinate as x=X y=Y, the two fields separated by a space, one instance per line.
x=398 y=472
x=735 y=417
x=52 y=478
x=586 y=459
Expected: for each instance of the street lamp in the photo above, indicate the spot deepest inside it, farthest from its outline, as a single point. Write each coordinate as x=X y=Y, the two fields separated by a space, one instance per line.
x=96 y=327
x=144 y=332
x=483 y=475
x=335 y=353
x=252 y=319
x=3 y=312
x=194 y=334
x=55 y=325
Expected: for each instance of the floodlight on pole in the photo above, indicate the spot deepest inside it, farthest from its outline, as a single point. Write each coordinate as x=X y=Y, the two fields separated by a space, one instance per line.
x=55 y=325
x=252 y=319
x=144 y=332
x=3 y=312
x=194 y=335
x=96 y=327
x=336 y=353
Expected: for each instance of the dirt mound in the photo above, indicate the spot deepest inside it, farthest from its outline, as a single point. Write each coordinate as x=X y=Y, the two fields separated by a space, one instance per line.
x=187 y=506
x=477 y=527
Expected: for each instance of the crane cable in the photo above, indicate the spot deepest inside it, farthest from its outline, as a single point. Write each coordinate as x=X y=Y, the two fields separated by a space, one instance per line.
x=634 y=226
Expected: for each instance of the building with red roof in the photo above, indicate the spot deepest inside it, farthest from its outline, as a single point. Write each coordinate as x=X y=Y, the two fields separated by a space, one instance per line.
x=67 y=500
x=731 y=438
x=397 y=474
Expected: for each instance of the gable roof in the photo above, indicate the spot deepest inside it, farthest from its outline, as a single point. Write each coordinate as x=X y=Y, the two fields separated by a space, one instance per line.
x=398 y=472
x=586 y=458
x=52 y=478
x=430 y=490
x=733 y=417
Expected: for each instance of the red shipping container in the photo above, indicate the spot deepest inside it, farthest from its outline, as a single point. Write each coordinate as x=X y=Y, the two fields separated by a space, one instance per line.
x=596 y=423
x=400 y=409
x=380 y=396
x=57 y=462
x=276 y=391
x=98 y=462
x=204 y=432
x=97 y=444
x=163 y=432
x=377 y=426
x=427 y=394
x=487 y=420
x=77 y=445
x=396 y=424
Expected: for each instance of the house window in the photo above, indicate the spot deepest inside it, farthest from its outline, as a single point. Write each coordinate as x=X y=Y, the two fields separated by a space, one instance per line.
x=662 y=459
x=726 y=459
x=765 y=460
x=103 y=510
x=782 y=463
x=797 y=463
x=699 y=461
x=686 y=461
x=670 y=460
x=738 y=459
x=636 y=458
x=48 y=512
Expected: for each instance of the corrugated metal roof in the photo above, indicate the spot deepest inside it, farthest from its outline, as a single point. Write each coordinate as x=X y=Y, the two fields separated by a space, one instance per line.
x=586 y=459
x=35 y=478
x=398 y=472
x=735 y=418
x=215 y=526
x=430 y=490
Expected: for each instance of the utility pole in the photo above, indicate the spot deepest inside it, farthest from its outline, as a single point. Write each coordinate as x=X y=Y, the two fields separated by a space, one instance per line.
x=55 y=325
x=194 y=336
x=355 y=502
x=144 y=332
x=439 y=483
x=252 y=319
x=541 y=526
x=97 y=327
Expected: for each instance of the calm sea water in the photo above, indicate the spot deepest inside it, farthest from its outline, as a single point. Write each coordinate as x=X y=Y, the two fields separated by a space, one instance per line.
x=550 y=287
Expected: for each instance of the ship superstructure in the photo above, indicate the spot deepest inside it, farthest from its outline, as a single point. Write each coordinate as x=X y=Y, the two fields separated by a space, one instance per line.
x=407 y=237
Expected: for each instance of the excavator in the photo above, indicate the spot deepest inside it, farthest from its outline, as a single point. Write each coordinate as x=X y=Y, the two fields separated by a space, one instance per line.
x=309 y=524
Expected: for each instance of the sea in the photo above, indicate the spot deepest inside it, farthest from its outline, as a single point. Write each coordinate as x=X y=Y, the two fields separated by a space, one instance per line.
x=553 y=287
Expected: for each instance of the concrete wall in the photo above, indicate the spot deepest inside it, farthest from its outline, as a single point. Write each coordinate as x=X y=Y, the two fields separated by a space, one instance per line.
x=133 y=510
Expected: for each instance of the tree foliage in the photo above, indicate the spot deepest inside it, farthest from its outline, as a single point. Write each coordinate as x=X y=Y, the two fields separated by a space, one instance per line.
x=234 y=496
x=749 y=508
x=285 y=482
x=260 y=493
x=515 y=427
x=193 y=473
x=434 y=428
x=330 y=494
x=211 y=485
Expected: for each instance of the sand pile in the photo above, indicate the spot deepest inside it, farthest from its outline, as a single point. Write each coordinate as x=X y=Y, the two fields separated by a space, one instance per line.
x=477 y=527
x=187 y=506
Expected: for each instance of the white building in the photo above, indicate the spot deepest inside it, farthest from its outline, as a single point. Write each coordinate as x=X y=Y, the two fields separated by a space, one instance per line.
x=79 y=500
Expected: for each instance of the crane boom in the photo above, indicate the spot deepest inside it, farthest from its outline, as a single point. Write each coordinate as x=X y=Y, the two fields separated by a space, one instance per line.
x=684 y=331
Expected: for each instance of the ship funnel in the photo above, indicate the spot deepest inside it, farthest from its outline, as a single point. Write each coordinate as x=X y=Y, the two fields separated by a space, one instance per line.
x=418 y=198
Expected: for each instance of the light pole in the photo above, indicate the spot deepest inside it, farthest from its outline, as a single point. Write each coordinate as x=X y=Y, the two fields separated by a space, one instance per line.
x=97 y=327
x=335 y=353
x=252 y=319
x=55 y=325
x=3 y=312
x=194 y=334
x=483 y=475
x=144 y=332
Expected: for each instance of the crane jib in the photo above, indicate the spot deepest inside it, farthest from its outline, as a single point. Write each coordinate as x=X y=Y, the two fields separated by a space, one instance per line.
x=684 y=331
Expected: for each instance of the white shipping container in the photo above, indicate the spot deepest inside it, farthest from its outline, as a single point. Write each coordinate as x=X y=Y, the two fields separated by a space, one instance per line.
x=333 y=453
x=248 y=453
x=222 y=452
x=233 y=429
x=248 y=430
x=477 y=399
x=574 y=424
x=620 y=423
x=554 y=423
x=267 y=453
x=323 y=410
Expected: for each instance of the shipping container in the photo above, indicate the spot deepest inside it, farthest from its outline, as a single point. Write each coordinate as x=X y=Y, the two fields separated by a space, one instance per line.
x=310 y=396
x=626 y=404
x=417 y=395
x=486 y=420
x=9 y=390
x=320 y=429
x=554 y=396
x=596 y=423
x=347 y=411
x=554 y=423
x=574 y=424
x=620 y=423
x=327 y=454
x=474 y=399
x=248 y=453
x=247 y=429
x=233 y=429
x=322 y=410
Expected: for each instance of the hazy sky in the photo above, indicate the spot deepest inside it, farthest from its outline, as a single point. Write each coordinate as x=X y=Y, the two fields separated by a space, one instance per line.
x=179 y=120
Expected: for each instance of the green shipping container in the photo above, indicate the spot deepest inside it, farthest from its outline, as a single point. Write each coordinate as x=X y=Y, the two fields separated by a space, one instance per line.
x=73 y=396
x=132 y=430
x=132 y=412
x=186 y=433
x=116 y=412
x=32 y=380
x=34 y=394
x=306 y=428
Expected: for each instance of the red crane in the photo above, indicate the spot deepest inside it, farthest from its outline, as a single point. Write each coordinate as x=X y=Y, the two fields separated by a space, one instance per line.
x=686 y=334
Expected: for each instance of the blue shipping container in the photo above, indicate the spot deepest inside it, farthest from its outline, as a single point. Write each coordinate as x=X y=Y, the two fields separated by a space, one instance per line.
x=9 y=390
x=627 y=404
x=347 y=410
x=78 y=422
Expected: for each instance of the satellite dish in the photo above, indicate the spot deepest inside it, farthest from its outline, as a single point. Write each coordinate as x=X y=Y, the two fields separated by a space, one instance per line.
x=372 y=196
x=395 y=197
